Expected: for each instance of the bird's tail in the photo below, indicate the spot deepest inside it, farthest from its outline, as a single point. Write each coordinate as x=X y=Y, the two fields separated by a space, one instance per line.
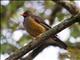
x=60 y=43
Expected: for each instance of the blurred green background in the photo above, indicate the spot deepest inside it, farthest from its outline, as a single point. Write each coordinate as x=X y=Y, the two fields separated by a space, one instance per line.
x=13 y=35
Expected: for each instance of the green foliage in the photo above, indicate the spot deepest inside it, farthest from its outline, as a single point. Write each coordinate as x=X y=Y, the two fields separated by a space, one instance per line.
x=75 y=30
x=2 y=11
x=8 y=11
x=75 y=53
x=14 y=5
x=49 y=4
x=7 y=48
x=24 y=40
x=60 y=16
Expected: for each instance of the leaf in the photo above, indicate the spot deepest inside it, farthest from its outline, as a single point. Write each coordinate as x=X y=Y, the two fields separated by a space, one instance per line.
x=48 y=4
x=75 y=31
x=24 y=40
x=7 y=48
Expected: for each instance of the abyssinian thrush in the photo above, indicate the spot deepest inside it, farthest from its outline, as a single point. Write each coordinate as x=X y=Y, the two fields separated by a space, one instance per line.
x=35 y=26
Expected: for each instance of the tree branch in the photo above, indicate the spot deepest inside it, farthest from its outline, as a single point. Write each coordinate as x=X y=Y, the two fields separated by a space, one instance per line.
x=46 y=43
x=39 y=49
x=68 y=5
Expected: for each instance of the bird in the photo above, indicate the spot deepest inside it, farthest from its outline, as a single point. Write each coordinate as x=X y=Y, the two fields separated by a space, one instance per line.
x=35 y=26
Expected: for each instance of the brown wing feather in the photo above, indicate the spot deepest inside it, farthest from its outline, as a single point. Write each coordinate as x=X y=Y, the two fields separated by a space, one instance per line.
x=41 y=21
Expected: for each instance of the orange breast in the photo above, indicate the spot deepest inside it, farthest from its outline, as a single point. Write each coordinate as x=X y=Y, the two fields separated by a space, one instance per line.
x=33 y=28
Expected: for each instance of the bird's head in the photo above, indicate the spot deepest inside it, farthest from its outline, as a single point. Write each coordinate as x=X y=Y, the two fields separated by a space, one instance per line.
x=26 y=13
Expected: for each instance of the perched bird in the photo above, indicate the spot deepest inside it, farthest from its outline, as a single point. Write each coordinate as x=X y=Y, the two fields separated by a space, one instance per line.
x=35 y=26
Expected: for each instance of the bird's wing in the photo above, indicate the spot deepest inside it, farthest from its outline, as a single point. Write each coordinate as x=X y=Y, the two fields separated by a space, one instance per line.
x=41 y=21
